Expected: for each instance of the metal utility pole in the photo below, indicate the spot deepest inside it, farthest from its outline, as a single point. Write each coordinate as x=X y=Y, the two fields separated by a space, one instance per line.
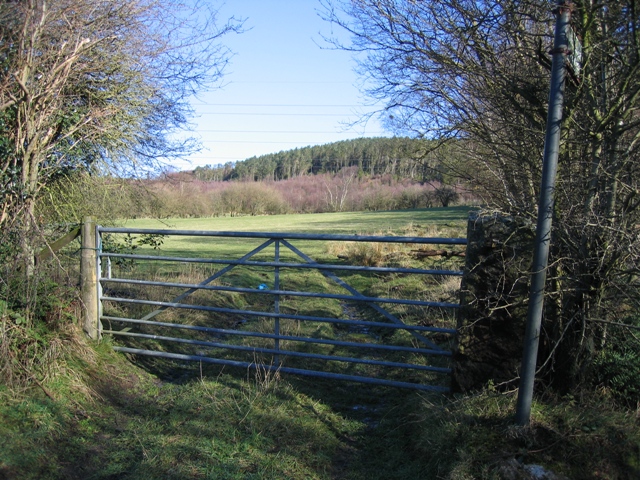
x=545 y=213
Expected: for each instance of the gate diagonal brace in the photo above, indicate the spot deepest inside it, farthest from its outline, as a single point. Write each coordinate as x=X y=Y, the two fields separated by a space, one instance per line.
x=332 y=276
x=213 y=277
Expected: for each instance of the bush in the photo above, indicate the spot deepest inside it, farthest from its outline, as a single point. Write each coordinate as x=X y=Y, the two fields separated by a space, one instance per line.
x=378 y=200
x=252 y=199
x=33 y=316
x=446 y=195
x=617 y=368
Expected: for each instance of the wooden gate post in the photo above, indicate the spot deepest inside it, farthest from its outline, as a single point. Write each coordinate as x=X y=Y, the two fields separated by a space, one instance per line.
x=89 y=279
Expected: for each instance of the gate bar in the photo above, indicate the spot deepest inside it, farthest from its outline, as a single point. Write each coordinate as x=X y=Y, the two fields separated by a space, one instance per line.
x=288 y=353
x=318 y=266
x=394 y=348
x=290 y=316
x=276 y=369
x=210 y=279
x=292 y=293
x=291 y=236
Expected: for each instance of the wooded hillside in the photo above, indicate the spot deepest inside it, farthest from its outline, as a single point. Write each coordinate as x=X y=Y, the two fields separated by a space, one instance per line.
x=398 y=156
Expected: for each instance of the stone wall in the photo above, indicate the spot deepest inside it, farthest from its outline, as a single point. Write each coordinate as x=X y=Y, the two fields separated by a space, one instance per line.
x=494 y=296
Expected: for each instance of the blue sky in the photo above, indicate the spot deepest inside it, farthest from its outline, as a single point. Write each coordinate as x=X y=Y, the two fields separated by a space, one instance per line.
x=282 y=90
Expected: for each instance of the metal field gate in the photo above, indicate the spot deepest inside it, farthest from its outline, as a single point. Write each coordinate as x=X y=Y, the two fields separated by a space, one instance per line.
x=346 y=307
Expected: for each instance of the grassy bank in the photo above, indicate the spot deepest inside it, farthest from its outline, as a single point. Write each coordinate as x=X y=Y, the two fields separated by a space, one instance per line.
x=103 y=417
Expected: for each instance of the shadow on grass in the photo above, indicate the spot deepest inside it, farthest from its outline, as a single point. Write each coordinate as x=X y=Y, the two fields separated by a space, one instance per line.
x=140 y=426
x=231 y=424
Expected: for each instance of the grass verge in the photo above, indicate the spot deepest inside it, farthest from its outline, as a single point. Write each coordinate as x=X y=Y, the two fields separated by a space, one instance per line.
x=106 y=417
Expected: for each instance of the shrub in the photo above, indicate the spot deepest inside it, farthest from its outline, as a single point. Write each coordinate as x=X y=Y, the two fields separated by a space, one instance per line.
x=378 y=200
x=252 y=199
x=617 y=368
x=446 y=195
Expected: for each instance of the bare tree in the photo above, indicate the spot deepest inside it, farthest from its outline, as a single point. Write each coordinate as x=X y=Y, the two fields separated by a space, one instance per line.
x=338 y=192
x=88 y=84
x=477 y=73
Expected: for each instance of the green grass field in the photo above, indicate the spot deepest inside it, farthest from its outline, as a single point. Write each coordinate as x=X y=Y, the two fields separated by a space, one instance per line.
x=435 y=222
x=335 y=223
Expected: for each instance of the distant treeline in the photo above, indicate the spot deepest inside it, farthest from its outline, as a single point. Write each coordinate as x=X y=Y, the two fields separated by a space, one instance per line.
x=353 y=175
x=181 y=195
x=400 y=157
